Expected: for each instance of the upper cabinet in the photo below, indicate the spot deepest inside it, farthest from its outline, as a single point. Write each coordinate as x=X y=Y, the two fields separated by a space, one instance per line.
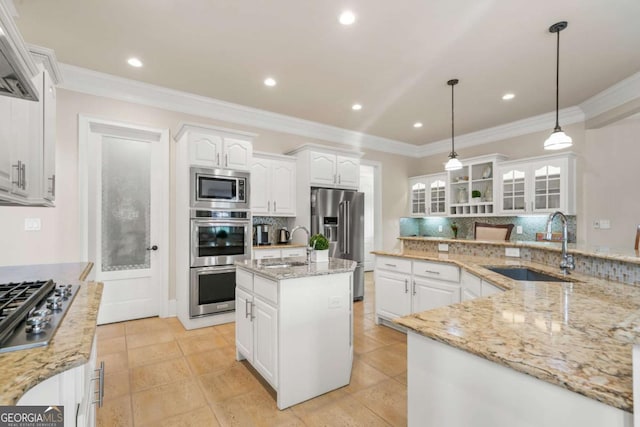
x=538 y=185
x=472 y=188
x=427 y=195
x=27 y=139
x=218 y=148
x=273 y=185
x=330 y=168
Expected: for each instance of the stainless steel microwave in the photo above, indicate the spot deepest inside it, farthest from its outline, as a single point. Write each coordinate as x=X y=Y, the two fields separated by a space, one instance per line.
x=219 y=189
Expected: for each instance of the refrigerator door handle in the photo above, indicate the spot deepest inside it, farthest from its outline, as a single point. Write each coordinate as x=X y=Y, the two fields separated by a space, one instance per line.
x=347 y=223
x=341 y=224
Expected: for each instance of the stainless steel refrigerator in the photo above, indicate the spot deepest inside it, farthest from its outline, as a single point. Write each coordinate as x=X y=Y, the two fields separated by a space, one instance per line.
x=339 y=216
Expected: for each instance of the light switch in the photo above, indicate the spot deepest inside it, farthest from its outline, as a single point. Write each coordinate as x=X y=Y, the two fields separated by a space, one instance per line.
x=519 y=229
x=440 y=228
x=443 y=247
x=32 y=224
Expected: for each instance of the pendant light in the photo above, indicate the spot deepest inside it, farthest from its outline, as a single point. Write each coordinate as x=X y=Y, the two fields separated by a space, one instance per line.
x=558 y=139
x=453 y=163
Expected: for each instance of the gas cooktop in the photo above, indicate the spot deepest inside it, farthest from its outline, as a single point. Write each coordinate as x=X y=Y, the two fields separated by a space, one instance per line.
x=30 y=312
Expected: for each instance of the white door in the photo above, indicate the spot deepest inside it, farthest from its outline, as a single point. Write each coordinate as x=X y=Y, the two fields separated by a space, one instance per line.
x=127 y=211
x=428 y=295
x=260 y=186
x=392 y=294
x=244 y=325
x=367 y=183
x=348 y=170
x=322 y=169
x=283 y=187
x=237 y=154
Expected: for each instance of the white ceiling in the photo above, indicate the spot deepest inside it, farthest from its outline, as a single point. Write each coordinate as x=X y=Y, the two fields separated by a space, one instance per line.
x=395 y=60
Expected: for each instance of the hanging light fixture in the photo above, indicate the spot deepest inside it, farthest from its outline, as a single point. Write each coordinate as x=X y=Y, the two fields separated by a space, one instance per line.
x=453 y=163
x=558 y=139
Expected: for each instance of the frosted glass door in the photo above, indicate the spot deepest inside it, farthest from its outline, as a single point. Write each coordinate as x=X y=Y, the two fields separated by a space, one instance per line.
x=126 y=205
x=437 y=189
x=418 y=198
x=513 y=191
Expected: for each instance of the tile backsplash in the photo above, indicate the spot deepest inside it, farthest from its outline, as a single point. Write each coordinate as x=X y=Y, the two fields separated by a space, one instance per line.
x=276 y=224
x=530 y=226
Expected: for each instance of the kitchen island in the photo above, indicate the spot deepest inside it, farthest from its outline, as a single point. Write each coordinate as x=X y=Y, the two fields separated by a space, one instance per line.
x=294 y=324
x=72 y=347
x=539 y=353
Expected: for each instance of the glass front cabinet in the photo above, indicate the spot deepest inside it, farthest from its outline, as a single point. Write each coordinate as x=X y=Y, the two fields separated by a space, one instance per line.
x=428 y=195
x=538 y=185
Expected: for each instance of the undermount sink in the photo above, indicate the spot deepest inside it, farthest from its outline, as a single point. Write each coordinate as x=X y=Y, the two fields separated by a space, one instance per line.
x=284 y=264
x=523 y=273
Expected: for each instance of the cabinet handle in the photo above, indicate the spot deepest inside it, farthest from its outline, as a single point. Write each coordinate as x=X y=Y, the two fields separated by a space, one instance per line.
x=432 y=272
x=246 y=308
x=218 y=159
x=268 y=256
x=414 y=287
x=52 y=190
x=100 y=379
x=275 y=209
x=406 y=285
x=24 y=176
x=391 y=265
x=252 y=316
x=339 y=179
x=226 y=160
x=268 y=205
x=18 y=168
x=334 y=178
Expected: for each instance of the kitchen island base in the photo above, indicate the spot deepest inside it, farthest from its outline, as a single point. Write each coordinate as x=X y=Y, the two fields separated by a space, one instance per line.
x=297 y=333
x=453 y=388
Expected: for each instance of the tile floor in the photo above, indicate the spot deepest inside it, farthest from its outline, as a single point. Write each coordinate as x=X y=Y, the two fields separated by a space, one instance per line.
x=158 y=373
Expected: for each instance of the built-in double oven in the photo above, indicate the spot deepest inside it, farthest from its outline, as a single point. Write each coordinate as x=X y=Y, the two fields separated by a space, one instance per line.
x=220 y=235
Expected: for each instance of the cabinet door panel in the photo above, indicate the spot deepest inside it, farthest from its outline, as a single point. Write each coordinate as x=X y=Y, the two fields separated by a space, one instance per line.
x=244 y=324
x=431 y=294
x=237 y=154
x=260 y=186
x=266 y=340
x=49 y=137
x=205 y=150
x=323 y=169
x=5 y=143
x=283 y=188
x=348 y=170
x=392 y=294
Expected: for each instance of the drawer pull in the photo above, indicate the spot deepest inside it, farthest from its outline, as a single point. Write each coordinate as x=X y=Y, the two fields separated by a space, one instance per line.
x=432 y=272
x=391 y=265
x=406 y=285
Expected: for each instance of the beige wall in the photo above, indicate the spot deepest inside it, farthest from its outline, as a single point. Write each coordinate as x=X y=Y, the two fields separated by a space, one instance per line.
x=59 y=239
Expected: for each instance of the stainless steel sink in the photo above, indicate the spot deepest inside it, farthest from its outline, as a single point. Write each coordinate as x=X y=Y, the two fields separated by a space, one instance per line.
x=523 y=273
x=280 y=264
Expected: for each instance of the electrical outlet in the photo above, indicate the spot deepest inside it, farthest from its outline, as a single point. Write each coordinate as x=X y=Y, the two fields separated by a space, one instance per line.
x=605 y=224
x=440 y=228
x=32 y=224
x=512 y=252
x=596 y=224
x=519 y=229
x=443 y=247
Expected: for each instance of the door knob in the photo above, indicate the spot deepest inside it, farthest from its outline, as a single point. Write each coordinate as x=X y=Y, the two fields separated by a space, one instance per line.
x=153 y=248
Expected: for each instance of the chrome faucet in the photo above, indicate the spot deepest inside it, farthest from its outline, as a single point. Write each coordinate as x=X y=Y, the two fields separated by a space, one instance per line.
x=567 y=262
x=306 y=230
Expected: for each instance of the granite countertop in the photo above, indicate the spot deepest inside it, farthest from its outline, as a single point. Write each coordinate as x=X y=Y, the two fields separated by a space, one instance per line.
x=262 y=267
x=71 y=345
x=612 y=254
x=279 y=246
x=576 y=335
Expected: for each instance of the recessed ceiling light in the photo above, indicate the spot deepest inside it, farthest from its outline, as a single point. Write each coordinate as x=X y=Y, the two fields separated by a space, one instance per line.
x=417 y=125
x=269 y=82
x=347 y=18
x=508 y=96
x=356 y=107
x=134 y=62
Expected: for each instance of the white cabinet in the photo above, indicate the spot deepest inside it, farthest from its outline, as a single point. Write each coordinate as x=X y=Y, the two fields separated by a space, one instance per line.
x=473 y=287
x=428 y=195
x=257 y=325
x=472 y=188
x=27 y=146
x=538 y=185
x=262 y=253
x=212 y=147
x=334 y=170
x=296 y=333
x=76 y=389
x=404 y=286
x=273 y=185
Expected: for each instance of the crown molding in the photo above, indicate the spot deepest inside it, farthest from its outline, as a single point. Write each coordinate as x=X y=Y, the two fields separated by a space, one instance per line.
x=510 y=130
x=105 y=85
x=624 y=91
x=47 y=57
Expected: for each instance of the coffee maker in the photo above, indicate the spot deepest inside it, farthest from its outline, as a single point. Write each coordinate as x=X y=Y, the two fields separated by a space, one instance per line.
x=261 y=234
